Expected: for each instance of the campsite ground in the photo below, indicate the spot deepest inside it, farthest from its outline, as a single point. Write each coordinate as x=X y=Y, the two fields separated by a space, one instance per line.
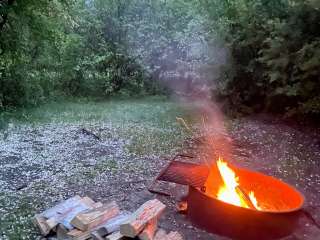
x=45 y=157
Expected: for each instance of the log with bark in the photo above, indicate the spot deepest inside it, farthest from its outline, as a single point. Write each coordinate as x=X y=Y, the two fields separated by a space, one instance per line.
x=62 y=213
x=113 y=225
x=91 y=218
x=139 y=219
x=149 y=231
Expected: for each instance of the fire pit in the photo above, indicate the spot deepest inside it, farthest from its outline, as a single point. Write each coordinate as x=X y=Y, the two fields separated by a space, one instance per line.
x=238 y=203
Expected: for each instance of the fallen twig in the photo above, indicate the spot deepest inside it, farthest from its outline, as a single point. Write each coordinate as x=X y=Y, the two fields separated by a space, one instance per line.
x=89 y=133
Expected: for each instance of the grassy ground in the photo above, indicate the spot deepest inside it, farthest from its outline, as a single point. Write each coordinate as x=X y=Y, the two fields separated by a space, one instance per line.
x=131 y=130
x=44 y=158
x=148 y=123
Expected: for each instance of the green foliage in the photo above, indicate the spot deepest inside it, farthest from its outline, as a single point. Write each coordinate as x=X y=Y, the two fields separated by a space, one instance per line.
x=99 y=48
x=275 y=48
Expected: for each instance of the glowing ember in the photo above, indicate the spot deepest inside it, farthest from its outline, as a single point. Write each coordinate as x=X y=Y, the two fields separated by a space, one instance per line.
x=230 y=191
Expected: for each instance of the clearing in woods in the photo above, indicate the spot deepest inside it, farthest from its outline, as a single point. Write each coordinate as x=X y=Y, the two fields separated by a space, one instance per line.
x=45 y=157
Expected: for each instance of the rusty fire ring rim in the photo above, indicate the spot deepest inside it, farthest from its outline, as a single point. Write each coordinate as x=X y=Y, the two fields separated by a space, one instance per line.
x=293 y=188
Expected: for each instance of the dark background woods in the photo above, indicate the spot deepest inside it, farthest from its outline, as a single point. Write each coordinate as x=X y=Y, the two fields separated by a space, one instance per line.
x=50 y=50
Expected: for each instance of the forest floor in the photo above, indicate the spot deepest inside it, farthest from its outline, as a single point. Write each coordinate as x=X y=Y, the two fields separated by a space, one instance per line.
x=45 y=157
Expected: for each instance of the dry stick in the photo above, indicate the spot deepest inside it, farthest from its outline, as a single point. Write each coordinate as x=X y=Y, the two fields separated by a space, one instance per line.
x=87 y=132
x=245 y=197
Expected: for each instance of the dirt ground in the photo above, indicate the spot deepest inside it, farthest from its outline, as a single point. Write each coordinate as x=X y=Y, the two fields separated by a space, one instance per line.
x=43 y=164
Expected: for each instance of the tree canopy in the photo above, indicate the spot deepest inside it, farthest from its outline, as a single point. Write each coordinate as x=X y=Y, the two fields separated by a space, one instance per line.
x=260 y=55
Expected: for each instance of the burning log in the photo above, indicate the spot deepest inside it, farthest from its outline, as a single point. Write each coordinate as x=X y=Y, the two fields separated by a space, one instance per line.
x=92 y=218
x=139 y=219
x=149 y=231
x=245 y=197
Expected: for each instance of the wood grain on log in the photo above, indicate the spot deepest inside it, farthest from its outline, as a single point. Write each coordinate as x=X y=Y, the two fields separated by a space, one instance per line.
x=115 y=236
x=62 y=213
x=76 y=234
x=149 y=231
x=62 y=232
x=40 y=222
x=139 y=219
x=94 y=217
x=113 y=224
x=96 y=236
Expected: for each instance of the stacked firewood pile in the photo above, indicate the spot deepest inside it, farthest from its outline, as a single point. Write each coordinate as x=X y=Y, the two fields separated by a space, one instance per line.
x=81 y=218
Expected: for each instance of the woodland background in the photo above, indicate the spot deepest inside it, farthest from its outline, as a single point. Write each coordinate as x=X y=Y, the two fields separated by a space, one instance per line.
x=265 y=54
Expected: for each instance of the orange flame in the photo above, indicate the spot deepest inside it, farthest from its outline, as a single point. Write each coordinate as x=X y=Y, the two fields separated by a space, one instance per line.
x=228 y=192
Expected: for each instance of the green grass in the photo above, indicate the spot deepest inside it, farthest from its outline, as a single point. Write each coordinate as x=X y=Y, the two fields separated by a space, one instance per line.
x=15 y=221
x=148 y=124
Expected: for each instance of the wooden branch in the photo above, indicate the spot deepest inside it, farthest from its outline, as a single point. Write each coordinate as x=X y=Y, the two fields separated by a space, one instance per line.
x=140 y=218
x=245 y=197
x=92 y=218
x=89 y=133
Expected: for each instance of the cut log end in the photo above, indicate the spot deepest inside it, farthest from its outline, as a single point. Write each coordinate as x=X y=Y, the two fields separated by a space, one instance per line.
x=94 y=217
x=150 y=210
x=149 y=231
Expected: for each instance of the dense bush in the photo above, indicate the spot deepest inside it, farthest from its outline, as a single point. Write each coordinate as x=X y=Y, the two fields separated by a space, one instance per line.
x=275 y=48
x=261 y=55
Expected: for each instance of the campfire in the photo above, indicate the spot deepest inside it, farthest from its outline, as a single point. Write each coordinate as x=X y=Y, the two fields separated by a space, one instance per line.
x=235 y=202
x=229 y=190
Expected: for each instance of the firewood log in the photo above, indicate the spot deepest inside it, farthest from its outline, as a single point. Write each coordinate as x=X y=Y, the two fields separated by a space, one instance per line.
x=113 y=224
x=96 y=236
x=76 y=234
x=150 y=210
x=160 y=235
x=116 y=236
x=40 y=222
x=149 y=231
x=46 y=221
x=63 y=213
x=62 y=232
x=174 y=236
x=94 y=217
